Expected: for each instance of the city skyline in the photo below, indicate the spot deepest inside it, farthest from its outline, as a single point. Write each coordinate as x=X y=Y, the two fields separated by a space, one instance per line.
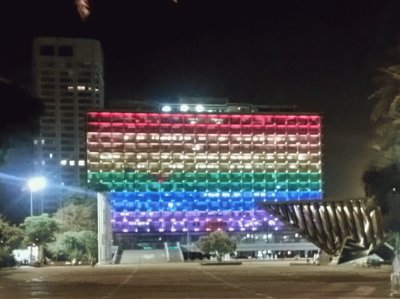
x=320 y=57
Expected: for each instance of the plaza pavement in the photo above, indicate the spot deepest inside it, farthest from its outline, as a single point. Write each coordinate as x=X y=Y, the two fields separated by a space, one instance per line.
x=252 y=279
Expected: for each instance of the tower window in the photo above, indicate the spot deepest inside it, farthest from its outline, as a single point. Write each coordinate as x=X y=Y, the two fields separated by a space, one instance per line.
x=65 y=51
x=46 y=50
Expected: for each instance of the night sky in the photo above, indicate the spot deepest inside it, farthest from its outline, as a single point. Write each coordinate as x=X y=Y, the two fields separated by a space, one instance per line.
x=321 y=56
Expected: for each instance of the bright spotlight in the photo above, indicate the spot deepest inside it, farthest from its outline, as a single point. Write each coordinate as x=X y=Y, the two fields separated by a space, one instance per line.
x=184 y=108
x=166 y=108
x=199 y=108
x=37 y=183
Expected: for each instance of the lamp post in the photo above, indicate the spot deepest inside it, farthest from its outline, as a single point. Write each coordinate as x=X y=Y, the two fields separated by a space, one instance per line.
x=36 y=184
x=188 y=243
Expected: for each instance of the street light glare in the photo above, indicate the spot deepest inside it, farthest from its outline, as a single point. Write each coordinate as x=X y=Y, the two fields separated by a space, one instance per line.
x=37 y=183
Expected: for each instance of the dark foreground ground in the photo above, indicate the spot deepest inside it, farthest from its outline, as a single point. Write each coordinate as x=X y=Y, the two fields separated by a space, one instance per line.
x=190 y=281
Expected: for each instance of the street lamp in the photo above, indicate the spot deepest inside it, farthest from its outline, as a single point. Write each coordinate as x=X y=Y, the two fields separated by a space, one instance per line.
x=36 y=184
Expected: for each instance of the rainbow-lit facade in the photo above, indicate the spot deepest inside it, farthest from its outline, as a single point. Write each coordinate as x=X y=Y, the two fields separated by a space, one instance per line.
x=174 y=172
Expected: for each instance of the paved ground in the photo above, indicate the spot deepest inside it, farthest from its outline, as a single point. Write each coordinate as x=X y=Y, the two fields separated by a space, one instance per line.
x=192 y=281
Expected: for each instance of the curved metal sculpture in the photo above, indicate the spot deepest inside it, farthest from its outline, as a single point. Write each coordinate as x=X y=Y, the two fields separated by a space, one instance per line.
x=346 y=229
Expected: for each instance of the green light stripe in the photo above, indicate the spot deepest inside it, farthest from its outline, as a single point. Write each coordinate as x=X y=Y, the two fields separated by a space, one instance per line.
x=133 y=181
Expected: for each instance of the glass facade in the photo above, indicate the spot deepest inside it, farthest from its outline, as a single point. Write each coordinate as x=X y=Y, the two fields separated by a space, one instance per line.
x=174 y=172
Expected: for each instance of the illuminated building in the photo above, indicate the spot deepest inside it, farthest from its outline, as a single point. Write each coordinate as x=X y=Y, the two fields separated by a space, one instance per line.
x=68 y=77
x=200 y=168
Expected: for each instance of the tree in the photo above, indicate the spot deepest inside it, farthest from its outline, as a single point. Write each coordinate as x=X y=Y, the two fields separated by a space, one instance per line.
x=77 y=221
x=10 y=238
x=382 y=179
x=91 y=244
x=381 y=183
x=71 y=245
x=77 y=214
x=218 y=243
x=386 y=116
x=39 y=230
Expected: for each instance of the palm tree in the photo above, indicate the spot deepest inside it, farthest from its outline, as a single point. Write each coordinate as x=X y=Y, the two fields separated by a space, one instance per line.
x=386 y=116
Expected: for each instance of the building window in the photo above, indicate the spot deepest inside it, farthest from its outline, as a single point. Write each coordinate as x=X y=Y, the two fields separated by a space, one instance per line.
x=47 y=73
x=47 y=64
x=63 y=79
x=67 y=51
x=47 y=86
x=85 y=74
x=47 y=79
x=47 y=93
x=46 y=50
x=66 y=100
x=84 y=94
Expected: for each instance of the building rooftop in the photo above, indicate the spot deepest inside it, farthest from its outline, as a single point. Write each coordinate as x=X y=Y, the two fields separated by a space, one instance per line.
x=199 y=105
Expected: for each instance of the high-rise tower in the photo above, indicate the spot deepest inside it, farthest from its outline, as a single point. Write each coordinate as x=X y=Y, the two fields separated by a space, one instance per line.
x=68 y=77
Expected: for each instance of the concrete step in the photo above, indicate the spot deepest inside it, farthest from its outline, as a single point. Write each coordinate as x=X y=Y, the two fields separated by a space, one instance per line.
x=153 y=256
